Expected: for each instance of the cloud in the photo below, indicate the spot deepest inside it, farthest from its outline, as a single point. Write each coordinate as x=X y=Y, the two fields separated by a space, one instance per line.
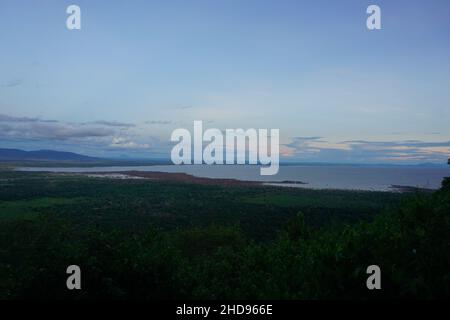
x=113 y=124
x=311 y=145
x=35 y=128
x=404 y=151
x=95 y=138
x=126 y=143
x=11 y=83
x=408 y=151
x=52 y=131
x=299 y=142
x=113 y=136
x=162 y=122
x=99 y=138
x=6 y=118
x=404 y=143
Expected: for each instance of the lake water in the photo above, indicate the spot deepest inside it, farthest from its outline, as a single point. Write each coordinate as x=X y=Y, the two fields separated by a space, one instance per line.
x=376 y=178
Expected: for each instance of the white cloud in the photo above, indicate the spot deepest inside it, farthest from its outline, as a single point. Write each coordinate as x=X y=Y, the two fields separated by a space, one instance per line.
x=125 y=143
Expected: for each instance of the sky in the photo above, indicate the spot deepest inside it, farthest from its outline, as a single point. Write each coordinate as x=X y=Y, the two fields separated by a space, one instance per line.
x=137 y=70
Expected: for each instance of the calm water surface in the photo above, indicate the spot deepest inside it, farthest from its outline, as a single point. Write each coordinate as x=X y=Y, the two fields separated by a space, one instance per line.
x=379 y=178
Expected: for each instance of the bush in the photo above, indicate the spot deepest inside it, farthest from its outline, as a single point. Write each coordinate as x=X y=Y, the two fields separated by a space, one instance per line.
x=411 y=245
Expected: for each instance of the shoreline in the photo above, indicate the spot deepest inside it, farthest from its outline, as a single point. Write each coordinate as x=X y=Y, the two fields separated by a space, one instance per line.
x=187 y=178
x=167 y=176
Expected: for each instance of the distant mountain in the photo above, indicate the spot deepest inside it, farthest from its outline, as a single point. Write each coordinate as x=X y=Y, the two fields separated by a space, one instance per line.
x=42 y=155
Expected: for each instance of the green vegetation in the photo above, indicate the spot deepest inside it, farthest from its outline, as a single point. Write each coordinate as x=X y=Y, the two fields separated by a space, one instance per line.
x=153 y=239
x=133 y=205
x=29 y=208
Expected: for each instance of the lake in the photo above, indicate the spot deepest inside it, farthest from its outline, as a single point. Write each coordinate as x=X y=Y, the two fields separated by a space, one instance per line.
x=349 y=177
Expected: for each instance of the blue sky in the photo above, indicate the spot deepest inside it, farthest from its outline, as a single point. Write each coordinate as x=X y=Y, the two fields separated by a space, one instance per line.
x=139 y=69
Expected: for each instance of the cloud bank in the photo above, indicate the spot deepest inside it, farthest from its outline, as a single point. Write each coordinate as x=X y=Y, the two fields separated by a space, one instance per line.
x=104 y=137
x=95 y=137
x=362 y=151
